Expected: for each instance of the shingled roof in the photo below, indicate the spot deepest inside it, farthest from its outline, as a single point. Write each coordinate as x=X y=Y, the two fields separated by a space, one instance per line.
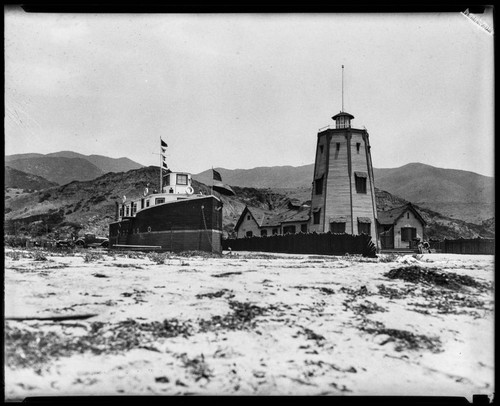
x=389 y=217
x=265 y=218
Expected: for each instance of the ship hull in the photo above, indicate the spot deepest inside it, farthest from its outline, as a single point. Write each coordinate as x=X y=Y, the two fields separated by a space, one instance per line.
x=184 y=225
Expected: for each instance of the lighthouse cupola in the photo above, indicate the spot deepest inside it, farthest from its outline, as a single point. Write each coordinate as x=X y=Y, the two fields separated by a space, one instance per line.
x=342 y=120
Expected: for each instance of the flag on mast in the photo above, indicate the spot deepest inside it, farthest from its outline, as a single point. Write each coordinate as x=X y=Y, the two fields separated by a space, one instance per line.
x=216 y=175
x=163 y=143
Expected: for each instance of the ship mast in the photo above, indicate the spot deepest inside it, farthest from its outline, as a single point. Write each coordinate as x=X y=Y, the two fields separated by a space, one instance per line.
x=161 y=167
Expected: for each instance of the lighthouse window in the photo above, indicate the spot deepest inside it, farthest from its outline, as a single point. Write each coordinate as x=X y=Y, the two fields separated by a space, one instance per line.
x=182 y=179
x=358 y=144
x=364 y=228
x=316 y=216
x=360 y=178
x=318 y=186
x=338 y=146
x=337 y=227
x=321 y=148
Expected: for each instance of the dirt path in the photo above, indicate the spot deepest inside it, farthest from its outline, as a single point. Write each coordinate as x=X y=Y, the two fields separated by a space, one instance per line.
x=247 y=323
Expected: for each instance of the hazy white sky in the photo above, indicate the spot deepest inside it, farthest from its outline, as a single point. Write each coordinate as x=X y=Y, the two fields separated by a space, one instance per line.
x=247 y=90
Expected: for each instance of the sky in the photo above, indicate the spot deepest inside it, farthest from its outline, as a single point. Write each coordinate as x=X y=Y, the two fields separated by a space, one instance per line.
x=249 y=90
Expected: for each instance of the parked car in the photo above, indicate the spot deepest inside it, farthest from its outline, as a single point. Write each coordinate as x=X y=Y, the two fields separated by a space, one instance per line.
x=91 y=240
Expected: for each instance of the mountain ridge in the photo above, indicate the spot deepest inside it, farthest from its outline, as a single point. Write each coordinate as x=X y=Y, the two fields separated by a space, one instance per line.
x=58 y=166
x=90 y=206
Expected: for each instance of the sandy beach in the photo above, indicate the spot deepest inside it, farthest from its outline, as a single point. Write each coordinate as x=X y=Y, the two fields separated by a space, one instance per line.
x=247 y=324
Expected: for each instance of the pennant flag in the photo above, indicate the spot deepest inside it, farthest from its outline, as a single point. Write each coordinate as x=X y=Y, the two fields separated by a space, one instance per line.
x=163 y=143
x=217 y=175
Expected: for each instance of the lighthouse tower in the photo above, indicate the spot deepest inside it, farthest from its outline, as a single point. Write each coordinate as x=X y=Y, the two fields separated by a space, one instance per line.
x=343 y=192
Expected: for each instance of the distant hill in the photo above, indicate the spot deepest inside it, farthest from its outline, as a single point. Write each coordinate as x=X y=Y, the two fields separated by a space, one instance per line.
x=22 y=180
x=66 y=166
x=459 y=194
x=263 y=177
x=58 y=170
x=106 y=164
x=90 y=206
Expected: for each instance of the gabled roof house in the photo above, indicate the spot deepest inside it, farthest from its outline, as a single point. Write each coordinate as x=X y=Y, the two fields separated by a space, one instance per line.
x=400 y=227
x=258 y=222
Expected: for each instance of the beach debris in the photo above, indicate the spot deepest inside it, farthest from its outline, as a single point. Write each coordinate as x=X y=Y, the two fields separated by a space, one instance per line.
x=433 y=276
x=197 y=367
x=406 y=340
x=241 y=318
x=217 y=294
x=100 y=275
x=57 y=317
x=224 y=274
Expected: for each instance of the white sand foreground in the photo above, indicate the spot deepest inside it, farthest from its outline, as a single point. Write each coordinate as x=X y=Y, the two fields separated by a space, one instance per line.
x=287 y=325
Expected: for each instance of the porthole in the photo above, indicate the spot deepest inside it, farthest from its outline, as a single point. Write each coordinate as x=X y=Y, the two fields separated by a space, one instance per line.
x=149 y=229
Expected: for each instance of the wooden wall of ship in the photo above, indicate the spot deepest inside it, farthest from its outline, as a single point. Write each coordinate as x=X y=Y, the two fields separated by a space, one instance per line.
x=184 y=225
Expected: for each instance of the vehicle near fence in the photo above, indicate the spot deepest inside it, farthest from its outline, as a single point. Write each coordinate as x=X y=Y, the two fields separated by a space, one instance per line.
x=90 y=240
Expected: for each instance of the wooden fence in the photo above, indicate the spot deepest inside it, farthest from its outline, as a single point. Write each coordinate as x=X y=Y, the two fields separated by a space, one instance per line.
x=469 y=246
x=306 y=243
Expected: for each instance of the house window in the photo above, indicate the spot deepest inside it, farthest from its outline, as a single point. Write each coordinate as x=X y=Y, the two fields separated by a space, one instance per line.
x=316 y=215
x=167 y=180
x=337 y=227
x=263 y=233
x=408 y=233
x=121 y=211
x=289 y=230
x=142 y=203
x=134 y=208
x=147 y=203
x=364 y=228
x=303 y=228
x=248 y=217
x=275 y=231
x=318 y=186
x=159 y=200
x=360 y=178
x=249 y=234
x=182 y=179
x=127 y=210
x=407 y=215
x=321 y=149
x=358 y=145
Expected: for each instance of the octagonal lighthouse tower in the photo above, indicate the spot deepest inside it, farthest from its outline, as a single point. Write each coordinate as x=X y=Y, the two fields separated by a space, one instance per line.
x=343 y=192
